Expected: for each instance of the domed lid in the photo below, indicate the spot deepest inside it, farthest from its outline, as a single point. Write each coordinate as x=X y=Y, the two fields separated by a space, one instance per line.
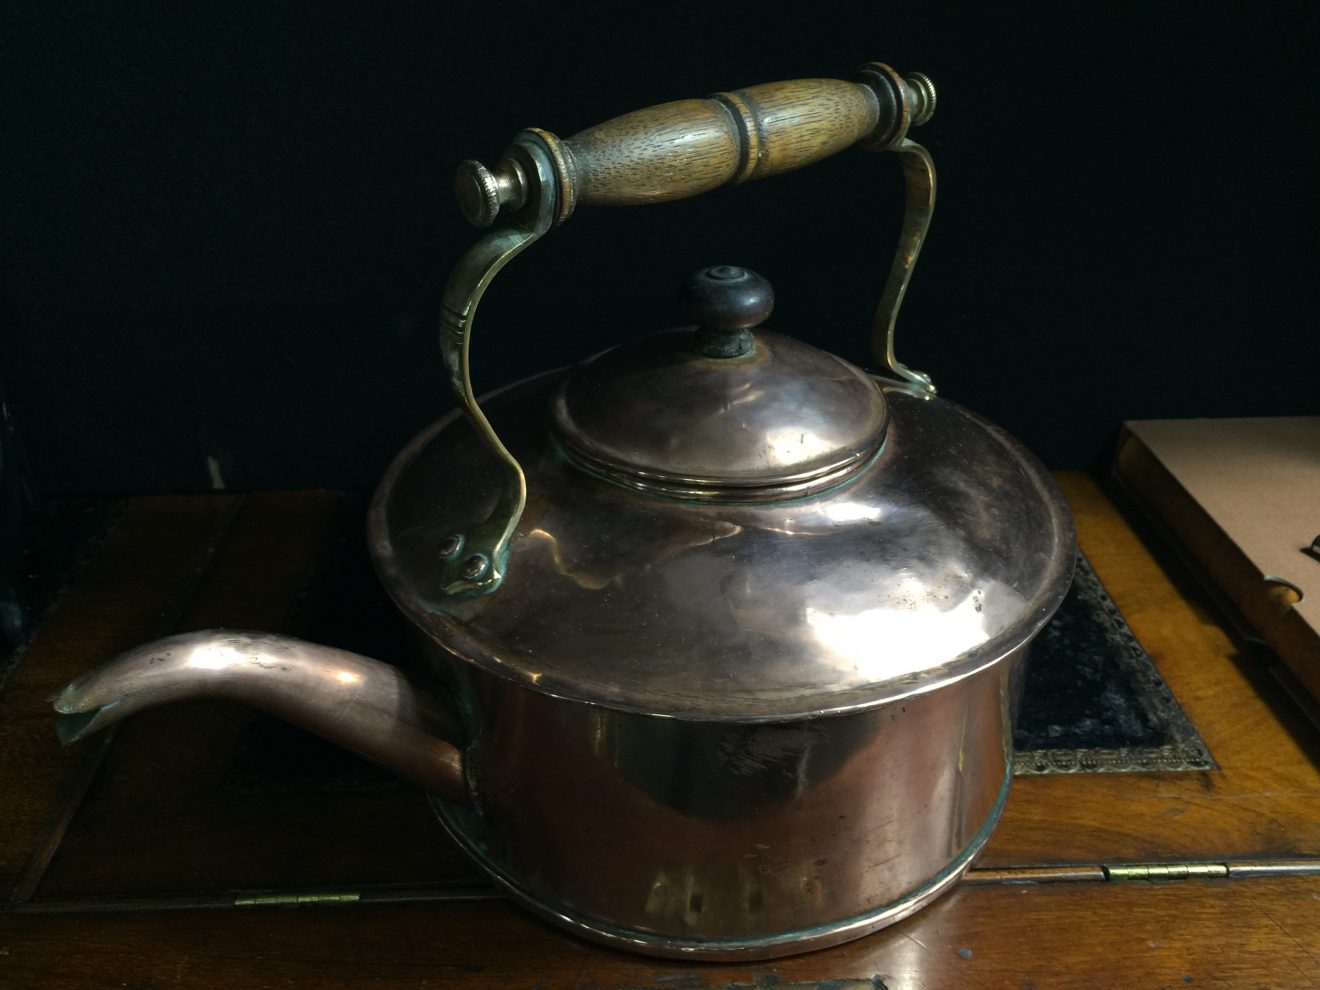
x=715 y=412
x=944 y=553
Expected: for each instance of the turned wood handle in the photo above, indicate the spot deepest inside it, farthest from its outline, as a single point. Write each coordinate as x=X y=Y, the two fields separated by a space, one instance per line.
x=680 y=149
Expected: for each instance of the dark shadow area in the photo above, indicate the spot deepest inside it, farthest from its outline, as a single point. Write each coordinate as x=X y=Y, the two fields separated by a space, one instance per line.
x=228 y=228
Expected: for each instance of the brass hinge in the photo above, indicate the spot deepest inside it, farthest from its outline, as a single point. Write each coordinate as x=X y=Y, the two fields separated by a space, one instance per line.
x=1144 y=871
x=294 y=900
x=1166 y=871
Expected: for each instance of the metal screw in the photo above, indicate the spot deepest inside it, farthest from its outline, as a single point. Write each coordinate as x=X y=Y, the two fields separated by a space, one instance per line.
x=450 y=547
x=475 y=566
x=923 y=90
x=477 y=193
x=482 y=193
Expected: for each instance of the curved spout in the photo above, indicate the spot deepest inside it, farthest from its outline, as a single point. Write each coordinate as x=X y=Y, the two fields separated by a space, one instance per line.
x=362 y=704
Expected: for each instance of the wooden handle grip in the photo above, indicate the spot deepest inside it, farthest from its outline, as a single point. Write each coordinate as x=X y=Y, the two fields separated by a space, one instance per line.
x=680 y=149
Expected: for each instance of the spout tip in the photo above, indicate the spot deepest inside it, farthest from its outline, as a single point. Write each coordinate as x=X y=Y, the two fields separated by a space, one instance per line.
x=64 y=700
x=79 y=716
x=73 y=727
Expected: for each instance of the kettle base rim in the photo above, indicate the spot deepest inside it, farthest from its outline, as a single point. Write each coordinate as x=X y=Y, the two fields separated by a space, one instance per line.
x=772 y=946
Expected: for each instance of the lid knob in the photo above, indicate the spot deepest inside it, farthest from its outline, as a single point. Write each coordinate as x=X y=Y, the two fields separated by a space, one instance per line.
x=725 y=302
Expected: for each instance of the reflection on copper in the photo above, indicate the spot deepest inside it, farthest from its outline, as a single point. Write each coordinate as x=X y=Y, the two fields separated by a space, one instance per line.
x=883 y=642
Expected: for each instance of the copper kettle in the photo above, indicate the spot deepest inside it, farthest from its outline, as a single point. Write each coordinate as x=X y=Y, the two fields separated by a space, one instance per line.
x=723 y=633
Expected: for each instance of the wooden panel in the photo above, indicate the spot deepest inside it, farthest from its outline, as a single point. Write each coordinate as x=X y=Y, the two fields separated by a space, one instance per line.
x=1259 y=806
x=1201 y=934
x=1265 y=800
x=134 y=589
x=160 y=819
x=165 y=817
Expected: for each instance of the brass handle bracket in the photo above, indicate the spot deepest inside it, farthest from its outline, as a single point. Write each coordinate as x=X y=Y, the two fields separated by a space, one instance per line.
x=913 y=105
x=659 y=154
x=919 y=204
x=473 y=562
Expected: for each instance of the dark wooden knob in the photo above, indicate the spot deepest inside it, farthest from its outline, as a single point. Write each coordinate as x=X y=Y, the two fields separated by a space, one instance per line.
x=726 y=302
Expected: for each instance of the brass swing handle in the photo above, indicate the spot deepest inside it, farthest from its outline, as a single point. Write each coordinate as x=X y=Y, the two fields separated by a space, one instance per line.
x=663 y=153
x=681 y=149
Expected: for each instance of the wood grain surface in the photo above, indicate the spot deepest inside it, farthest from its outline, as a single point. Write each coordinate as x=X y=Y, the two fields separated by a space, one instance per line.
x=688 y=147
x=1265 y=799
x=1198 y=934
x=133 y=590
x=150 y=813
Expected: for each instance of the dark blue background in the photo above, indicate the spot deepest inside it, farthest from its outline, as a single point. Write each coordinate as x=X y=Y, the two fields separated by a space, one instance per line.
x=226 y=226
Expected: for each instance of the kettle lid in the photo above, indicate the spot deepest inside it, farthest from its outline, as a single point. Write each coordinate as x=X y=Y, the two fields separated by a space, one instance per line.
x=717 y=413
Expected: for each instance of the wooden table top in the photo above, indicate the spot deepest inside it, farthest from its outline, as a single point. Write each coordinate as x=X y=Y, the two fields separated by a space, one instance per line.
x=105 y=870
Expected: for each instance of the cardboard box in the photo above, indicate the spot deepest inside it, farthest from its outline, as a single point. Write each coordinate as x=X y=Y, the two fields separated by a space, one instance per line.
x=1242 y=497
